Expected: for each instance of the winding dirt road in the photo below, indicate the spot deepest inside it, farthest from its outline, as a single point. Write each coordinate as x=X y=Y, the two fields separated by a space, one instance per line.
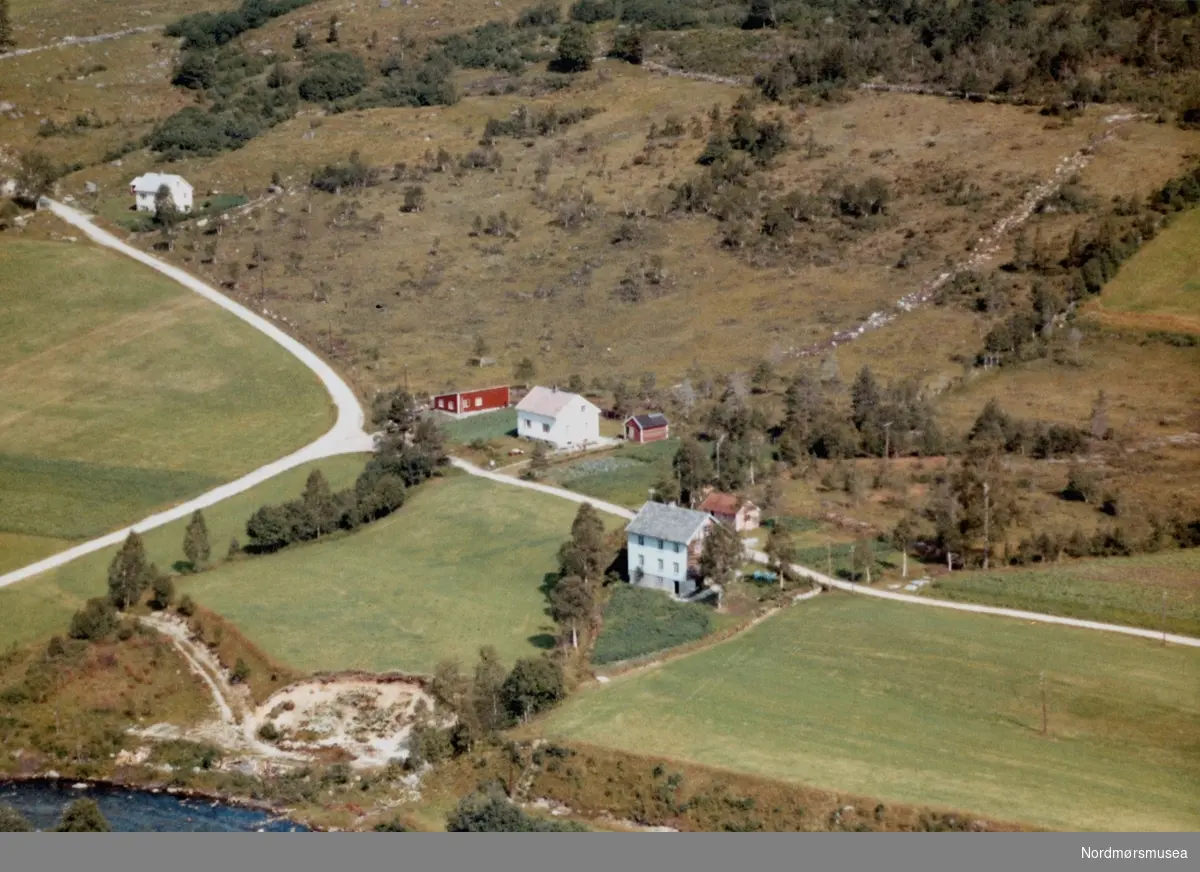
x=347 y=435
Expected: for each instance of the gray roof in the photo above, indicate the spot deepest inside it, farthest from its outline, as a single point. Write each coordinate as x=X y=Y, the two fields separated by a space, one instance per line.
x=548 y=402
x=670 y=523
x=650 y=421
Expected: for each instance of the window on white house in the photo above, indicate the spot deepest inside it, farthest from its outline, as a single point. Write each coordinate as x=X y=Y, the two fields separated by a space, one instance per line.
x=641 y=560
x=545 y=428
x=675 y=547
x=641 y=540
x=660 y=564
x=660 y=544
x=675 y=567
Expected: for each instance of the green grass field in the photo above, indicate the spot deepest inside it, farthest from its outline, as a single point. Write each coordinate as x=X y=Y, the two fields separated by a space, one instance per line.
x=1160 y=286
x=926 y=706
x=485 y=426
x=461 y=565
x=1118 y=590
x=624 y=476
x=41 y=606
x=121 y=393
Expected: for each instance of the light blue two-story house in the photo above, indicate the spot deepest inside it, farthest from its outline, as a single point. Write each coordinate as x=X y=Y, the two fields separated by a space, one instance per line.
x=663 y=544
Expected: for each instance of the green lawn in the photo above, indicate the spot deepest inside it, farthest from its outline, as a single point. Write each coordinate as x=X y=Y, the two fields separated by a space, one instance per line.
x=926 y=706
x=122 y=393
x=1118 y=590
x=461 y=565
x=623 y=476
x=41 y=606
x=486 y=426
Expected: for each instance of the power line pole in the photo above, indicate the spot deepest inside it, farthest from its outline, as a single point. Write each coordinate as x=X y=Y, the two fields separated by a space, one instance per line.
x=1163 y=617
x=887 y=441
x=987 y=542
x=1042 y=682
x=829 y=558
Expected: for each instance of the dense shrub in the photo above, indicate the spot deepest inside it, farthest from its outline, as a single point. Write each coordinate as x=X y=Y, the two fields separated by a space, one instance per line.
x=494 y=45
x=547 y=122
x=543 y=15
x=592 y=11
x=492 y=812
x=429 y=83
x=207 y=29
x=197 y=70
x=191 y=130
x=333 y=178
x=332 y=76
x=534 y=685
x=639 y=621
x=95 y=621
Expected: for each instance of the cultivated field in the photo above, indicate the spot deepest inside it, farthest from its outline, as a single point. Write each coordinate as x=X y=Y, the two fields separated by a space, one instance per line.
x=461 y=565
x=42 y=606
x=123 y=393
x=1159 y=591
x=1159 y=289
x=624 y=476
x=924 y=706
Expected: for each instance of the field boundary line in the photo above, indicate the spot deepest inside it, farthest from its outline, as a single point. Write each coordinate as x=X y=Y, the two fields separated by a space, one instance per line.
x=347 y=436
x=998 y=611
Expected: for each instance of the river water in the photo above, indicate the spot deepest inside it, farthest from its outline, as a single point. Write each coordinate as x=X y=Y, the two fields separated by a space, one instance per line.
x=139 y=811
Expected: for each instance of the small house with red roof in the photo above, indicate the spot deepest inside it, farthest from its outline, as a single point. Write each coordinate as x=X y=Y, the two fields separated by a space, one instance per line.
x=731 y=510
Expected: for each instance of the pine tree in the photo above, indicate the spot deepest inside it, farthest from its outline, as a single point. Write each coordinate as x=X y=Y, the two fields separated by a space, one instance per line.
x=196 y=547
x=575 y=49
x=128 y=574
x=693 y=469
x=721 y=553
x=571 y=604
x=319 y=503
x=6 y=40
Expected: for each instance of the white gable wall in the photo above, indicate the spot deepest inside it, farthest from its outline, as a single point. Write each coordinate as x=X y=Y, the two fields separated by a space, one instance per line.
x=576 y=424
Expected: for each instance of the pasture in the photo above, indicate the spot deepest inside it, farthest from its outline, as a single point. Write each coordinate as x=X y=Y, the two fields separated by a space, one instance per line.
x=124 y=393
x=1159 y=289
x=1157 y=591
x=925 y=706
x=41 y=606
x=461 y=565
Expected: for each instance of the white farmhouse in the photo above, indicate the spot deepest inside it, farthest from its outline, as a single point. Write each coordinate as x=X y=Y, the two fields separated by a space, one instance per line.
x=663 y=543
x=145 y=189
x=563 y=419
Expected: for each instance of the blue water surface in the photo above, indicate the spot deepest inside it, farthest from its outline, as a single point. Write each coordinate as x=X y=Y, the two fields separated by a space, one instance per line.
x=139 y=811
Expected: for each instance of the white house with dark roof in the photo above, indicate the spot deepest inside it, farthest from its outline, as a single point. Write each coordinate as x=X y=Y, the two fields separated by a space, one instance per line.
x=145 y=190
x=563 y=419
x=663 y=543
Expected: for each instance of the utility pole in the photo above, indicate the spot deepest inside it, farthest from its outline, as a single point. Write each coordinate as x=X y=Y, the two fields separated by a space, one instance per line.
x=949 y=562
x=887 y=441
x=1163 y=617
x=829 y=558
x=987 y=543
x=1042 y=682
x=720 y=439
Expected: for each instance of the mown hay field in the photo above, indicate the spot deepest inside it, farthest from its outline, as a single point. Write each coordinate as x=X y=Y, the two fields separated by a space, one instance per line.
x=123 y=392
x=926 y=706
x=461 y=565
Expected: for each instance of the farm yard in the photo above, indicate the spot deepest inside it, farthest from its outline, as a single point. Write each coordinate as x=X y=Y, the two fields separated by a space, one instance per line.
x=923 y=706
x=461 y=565
x=123 y=393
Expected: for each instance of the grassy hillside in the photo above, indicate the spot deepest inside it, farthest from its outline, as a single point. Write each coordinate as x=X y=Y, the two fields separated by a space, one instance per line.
x=1159 y=591
x=122 y=392
x=920 y=705
x=41 y=606
x=461 y=565
x=1160 y=288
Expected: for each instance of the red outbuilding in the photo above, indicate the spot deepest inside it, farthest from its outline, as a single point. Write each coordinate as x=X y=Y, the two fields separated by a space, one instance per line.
x=480 y=400
x=647 y=428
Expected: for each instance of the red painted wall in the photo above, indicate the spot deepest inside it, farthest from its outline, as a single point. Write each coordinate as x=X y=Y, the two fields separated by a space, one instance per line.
x=654 y=434
x=465 y=401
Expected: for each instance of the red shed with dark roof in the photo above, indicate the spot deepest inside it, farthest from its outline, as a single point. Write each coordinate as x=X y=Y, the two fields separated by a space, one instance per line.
x=647 y=428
